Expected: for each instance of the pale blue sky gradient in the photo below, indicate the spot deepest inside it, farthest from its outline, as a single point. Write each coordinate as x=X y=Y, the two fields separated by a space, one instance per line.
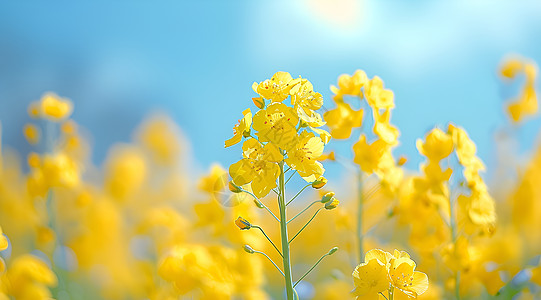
x=196 y=61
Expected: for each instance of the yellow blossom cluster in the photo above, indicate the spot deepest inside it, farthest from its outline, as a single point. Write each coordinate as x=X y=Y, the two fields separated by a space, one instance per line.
x=388 y=274
x=525 y=104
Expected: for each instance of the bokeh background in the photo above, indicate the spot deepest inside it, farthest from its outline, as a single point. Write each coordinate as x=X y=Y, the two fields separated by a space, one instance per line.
x=196 y=62
x=144 y=198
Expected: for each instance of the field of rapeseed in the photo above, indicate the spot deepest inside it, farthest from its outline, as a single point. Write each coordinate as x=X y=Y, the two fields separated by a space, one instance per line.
x=140 y=228
x=268 y=150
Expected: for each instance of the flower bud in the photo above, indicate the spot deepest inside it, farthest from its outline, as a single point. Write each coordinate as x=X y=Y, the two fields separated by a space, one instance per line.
x=258 y=204
x=401 y=160
x=332 y=204
x=234 y=188
x=248 y=249
x=259 y=102
x=319 y=183
x=327 y=197
x=332 y=251
x=242 y=223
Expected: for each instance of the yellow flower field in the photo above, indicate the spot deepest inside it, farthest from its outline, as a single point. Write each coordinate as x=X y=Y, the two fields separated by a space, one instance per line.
x=268 y=226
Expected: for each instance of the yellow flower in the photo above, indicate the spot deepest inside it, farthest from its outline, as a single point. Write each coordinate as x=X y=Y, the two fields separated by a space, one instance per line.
x=370 y=278
x=511 y=67
x=3 y=241
x=60 y=170
x=31 y=133
x=303 y=96
x=378 y=97
x=349 y=85
x=404 y=277
x=437 y=146
x=383 y=127
x=215 y=181
x=126 y=170
x=342 y=120
x=303 y=157
x=277 y=124
x=29 y=276
x=277 y=88
x=525 y=105
x=241 y=129
x=369 y=156
x=54 y=108
x=161 y=137
x=259 y=166
x=380 y=269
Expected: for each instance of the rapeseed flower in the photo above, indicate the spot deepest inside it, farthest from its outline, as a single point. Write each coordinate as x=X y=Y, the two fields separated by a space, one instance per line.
x=258 y=167
x=242 y=129
x=382 y=271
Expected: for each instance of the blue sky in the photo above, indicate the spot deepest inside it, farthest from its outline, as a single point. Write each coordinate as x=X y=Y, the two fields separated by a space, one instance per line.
x=196 y=61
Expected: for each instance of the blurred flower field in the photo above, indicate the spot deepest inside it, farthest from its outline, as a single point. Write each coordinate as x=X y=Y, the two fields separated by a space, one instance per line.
x=268 y=226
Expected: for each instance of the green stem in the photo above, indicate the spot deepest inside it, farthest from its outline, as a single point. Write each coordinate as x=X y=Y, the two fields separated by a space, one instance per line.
x=360 y=217
x=283 y=234
x=268 y=239
x=291 y=176
x=277 y=268
x=261 y=203
x=298 y=193
x=303 y=211
x=305 y=225
x=454 y=233
x=391 y=293
x=310 y=270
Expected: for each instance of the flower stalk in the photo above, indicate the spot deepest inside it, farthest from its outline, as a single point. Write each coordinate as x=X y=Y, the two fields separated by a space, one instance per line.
x=283 y=234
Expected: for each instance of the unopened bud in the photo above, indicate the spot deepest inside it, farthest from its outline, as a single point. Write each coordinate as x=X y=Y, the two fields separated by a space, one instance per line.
x=332 y=251
x=327 y=197
x=242 y=223
x=234 y=188
x=258 y=204
x=401 y=160
x=332 y=204
x=319 y=183
x=248 y=249
x=259 y=102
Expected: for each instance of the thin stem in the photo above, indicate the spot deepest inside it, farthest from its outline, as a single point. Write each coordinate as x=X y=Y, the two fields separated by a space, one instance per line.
x=298 y=193
x=303 y=211
x=283 y=234
x=310 y=270
x=305 y=225
x=391 y=293
x=288 y=168
x=383 y=295
x=452 y=222
x=277 y=268
x=262 y=231
x=261 y=203
x=360 y=236
x=291 y=176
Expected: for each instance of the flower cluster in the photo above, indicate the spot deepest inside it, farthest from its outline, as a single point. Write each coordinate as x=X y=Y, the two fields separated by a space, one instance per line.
x=526 y=103
x=275 y=137
x=372 y=155
x=385 y=272
x=282 y=133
